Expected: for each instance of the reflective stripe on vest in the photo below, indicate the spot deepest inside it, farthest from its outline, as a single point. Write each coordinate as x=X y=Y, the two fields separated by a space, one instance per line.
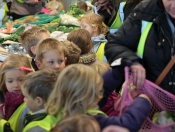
x=15 y=117
x=46 y=124
x=144 y=31
x=2 y=123
x=100 y=51
x=90 y=111
x=119 y=18
x=21 y=1
x=93 y=111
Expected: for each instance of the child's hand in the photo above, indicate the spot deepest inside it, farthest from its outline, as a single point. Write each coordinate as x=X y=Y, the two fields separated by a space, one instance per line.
x=146 y=97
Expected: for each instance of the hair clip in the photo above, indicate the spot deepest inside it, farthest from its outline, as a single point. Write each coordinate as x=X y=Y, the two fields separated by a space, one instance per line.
x=22 y=68
x=25 y=68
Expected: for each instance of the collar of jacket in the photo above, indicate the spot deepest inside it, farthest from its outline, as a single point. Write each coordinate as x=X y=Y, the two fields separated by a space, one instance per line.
x=149 y=10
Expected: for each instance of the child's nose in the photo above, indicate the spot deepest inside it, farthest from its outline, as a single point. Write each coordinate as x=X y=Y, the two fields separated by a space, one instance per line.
x=57 y=65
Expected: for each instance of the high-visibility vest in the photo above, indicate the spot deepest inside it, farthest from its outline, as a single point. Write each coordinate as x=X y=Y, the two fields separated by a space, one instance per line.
x=21 y=1
x=119 y=18
x=15 y=119
x=144 y=33
x=100 y=51
x=90 y=111
x=45 y=124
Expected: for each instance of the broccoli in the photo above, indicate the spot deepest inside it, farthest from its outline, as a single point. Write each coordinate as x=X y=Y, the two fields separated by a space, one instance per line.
x=75 y=11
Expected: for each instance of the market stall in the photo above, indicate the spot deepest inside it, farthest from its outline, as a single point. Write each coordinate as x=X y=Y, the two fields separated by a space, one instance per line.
x=58 y=25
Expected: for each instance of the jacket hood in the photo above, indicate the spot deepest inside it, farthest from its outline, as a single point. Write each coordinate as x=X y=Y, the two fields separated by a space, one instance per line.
x=149 y=9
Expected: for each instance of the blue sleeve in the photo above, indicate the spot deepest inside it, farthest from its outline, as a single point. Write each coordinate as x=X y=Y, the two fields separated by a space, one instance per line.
x=132 y=119
x=113 y=80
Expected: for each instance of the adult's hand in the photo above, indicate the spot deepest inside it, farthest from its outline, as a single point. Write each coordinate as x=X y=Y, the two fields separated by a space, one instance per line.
x=139 y=75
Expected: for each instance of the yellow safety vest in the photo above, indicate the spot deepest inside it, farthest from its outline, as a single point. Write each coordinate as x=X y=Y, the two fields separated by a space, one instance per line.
x=15 y=117
x=90 y=111
x=46 y=124
x=144 y=31
x=100 y=51
x=2 y=123
x=21 y=1
x=119 y=18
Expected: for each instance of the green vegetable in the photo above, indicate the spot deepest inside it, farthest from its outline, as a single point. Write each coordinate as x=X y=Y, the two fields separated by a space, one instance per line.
x=12 y=37
x=19 y=30
x=75 y=11
x=57 y=20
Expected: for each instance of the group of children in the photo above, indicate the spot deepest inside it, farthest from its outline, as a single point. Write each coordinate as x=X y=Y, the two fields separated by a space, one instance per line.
x=70 y=86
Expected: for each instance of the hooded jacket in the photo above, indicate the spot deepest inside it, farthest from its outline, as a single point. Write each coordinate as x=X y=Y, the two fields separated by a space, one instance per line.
x=159 y=45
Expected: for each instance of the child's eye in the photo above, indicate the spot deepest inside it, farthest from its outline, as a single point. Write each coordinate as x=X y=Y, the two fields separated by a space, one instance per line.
x=9 y=81
x=60 y=61
x=50 y=62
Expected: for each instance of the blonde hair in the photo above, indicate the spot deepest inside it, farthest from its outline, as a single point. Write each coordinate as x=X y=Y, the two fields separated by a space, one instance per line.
x=78 y=88
x=32 y=37
x=95 y=20
x=100 y=66
x=82 y=39
x=49 y=44
x=12 y=61
x=77 y=123
x=72 y=52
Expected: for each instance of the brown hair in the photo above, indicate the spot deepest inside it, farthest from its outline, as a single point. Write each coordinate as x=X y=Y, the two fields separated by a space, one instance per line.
x=95 y=20
x=32 y=37
x=82 y=5
x=49 y=44
x=40 y=83
x=77 y=123
x=72 y=52
x=82 y=39
x=12 y=61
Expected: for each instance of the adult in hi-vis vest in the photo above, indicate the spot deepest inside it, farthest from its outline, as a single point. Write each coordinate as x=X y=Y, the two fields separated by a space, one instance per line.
x=114 y=12
x=148 y=31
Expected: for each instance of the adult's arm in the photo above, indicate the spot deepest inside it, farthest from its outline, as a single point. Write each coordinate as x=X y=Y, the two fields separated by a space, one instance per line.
x=123 y=44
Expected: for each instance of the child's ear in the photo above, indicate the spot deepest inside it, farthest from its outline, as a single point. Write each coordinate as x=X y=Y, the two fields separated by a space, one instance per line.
x=39 y=101
x=33 y=49
x=38 y=64
x=65 y=59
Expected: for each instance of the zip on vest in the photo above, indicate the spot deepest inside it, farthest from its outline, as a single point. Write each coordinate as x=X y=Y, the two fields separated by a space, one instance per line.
x=100 y=51
x=119 y=18
x=144 y=34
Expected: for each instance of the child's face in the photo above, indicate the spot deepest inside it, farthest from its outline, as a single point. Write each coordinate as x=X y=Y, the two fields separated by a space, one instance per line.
x=52 y=59
x=92 y=31
x=13 y=80
x=30 y=102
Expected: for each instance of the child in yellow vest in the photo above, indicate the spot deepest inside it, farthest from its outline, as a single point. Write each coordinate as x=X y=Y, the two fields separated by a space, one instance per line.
x=93 y=23
x=12 y=72
x=36 y=88
x=78 y=90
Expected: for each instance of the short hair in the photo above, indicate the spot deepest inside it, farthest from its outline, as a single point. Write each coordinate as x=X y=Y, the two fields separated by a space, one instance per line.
x=72 y=52
x=40 y=83
x=31 y=37
x=77 y=89
x=82 y=5
x=47 y=45
x=95 y=20
x=12 y=61
x=77 y=123
x=100 y=66
x=82 y=39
